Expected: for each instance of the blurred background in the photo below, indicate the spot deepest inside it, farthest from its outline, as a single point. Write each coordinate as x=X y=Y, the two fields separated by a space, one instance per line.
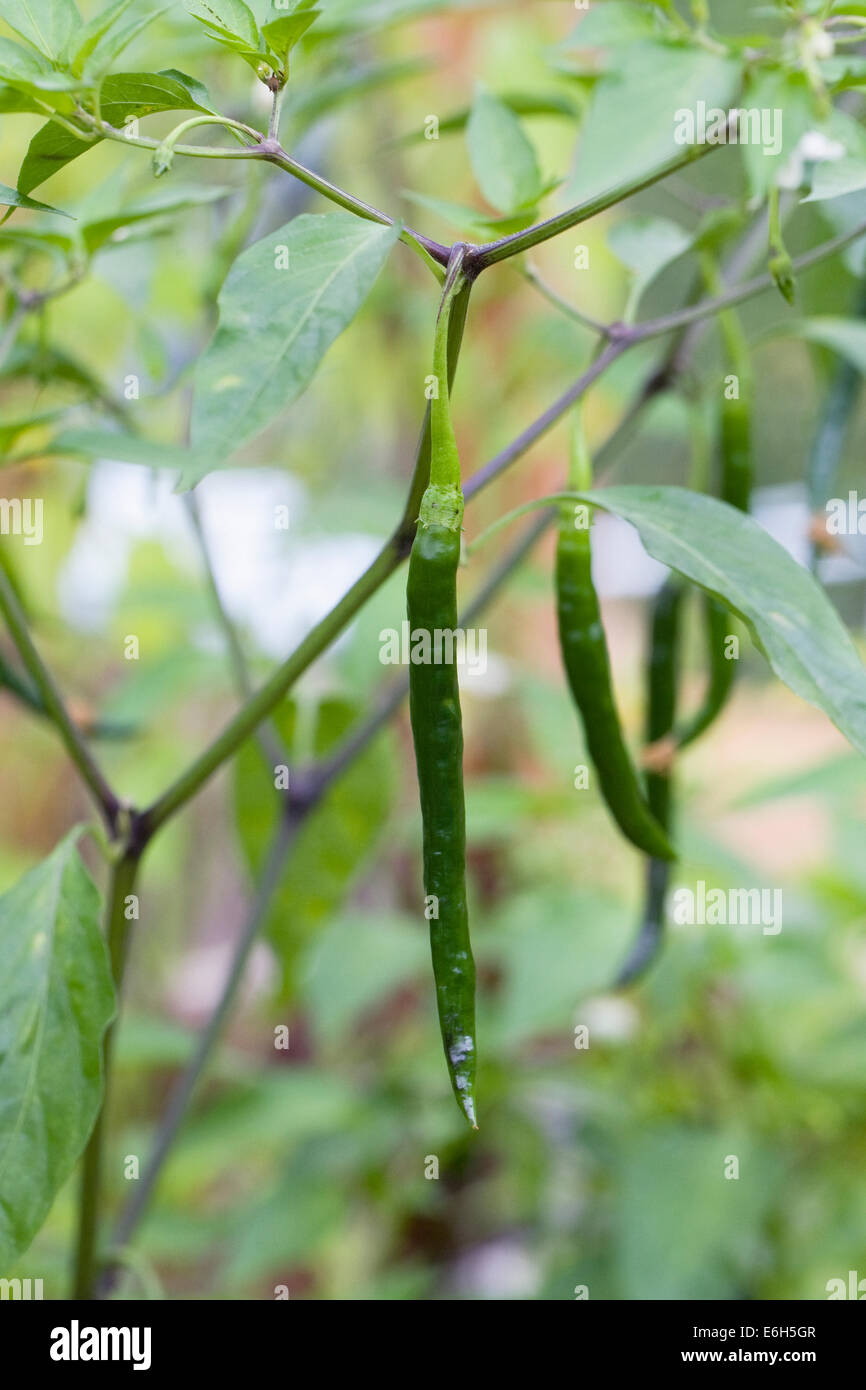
x=310 y=1167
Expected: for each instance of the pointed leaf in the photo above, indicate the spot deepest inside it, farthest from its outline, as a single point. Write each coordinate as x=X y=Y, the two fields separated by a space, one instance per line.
x=789 y=616
x=90 y=35
x=282 y=34
x=629 y=132
x=286 y=299
x=127 y=448
x=847 y=337
x=174 y=199
x=11 y=198
x=111 y=44
x=56 y=1001
x=47 y=24
x=470 y=219
x=501 y=154
x=230 y=18
x=646 y=245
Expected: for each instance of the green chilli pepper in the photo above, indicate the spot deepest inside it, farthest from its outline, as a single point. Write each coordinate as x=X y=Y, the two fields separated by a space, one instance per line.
x=437 y=732
x=587 y=665
x=661 y=709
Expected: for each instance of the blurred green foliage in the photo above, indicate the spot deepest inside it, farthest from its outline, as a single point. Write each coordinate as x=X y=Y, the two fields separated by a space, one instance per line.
x=602 y=1166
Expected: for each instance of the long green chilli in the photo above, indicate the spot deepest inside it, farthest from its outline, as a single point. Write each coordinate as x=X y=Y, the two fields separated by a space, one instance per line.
x=662 y=671
x=437 y=730
x=587 y=665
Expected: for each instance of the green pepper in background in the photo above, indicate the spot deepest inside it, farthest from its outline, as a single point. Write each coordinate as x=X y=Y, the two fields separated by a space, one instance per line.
x=587 y=665
x=662 y=671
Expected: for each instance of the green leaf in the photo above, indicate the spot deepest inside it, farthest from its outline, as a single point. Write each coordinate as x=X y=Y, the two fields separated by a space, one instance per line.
x=50 y=150
x=197 y=90
x=602 y=31
x=47 y=24
x=285 y=301
x=501 y=155
x=112 y=43
x=125 y=448
x=56 y=1000
x=847 y=337
x=282 y=34
x=288 y=1227
x=175 y=199
x=354 y=964
x=306 y=104
x=16 y=100
x=49 y=366
x=11 y=198
x=646 y=245
x=789 y=616
x=94 y=31
x=836 y=177
x=554 y=946
x=230 y=19
x=521 y=103
x=20 y=64
x=12 y=430
x=124 y=94
x=31 y=74
x=776 y=91
x=672 y=1179
x=336 y=838
x=470 y=219
x=629 y=131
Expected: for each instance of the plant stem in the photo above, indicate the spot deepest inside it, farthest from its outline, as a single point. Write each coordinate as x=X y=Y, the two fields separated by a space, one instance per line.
x=225 y=121
x=498 y=464
x=531 y=275
x=54 y=706
x=434 y=254
x=122 y=883
x=654 y=328
x=178 y=1105
x=276 y=107
x=144 y=142
x=445 y=460
x=493 y=251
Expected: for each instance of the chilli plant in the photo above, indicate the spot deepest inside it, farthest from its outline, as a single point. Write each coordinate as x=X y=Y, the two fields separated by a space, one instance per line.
x=650 y=89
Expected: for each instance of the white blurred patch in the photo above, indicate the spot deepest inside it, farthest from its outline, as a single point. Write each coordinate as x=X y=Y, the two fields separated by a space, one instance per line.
x=609 y=1018
x=499 y=1269
x=813 y=147
x=621 y=567
x=494 y=680
x=783 y=511
x=199 y=979
x=274 y=582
